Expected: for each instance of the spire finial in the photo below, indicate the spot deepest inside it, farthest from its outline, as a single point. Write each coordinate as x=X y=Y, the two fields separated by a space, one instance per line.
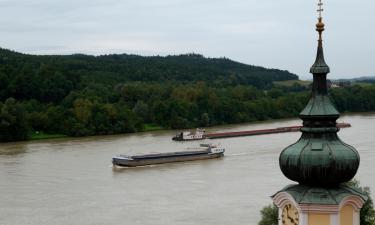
x=320 y=66
x=320 y=8
x=320 y=24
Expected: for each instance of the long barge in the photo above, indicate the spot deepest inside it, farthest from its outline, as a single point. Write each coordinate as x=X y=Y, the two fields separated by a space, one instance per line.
x=261 y=132
x=206 y=151
x=200 y=134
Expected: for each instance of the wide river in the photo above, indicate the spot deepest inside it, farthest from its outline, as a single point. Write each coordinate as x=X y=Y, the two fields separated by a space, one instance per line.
x=72 y=182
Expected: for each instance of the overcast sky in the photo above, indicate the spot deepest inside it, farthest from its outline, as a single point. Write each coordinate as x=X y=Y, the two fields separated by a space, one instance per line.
x=270 y=33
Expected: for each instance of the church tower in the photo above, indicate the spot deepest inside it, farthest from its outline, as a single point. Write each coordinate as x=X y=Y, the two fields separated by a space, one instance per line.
x=319 y=161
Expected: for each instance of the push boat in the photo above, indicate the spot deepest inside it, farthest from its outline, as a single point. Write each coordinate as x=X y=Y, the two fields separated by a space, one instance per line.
x=205 y=151
x=188 y=136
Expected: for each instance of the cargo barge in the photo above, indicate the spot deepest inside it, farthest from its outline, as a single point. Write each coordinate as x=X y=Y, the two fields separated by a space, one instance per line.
x=205 y=151
x=243 y=133
x=261 y=132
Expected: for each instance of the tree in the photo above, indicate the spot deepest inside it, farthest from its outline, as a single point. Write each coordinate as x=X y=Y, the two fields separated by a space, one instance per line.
x=83 y=110
x=13 y=124
x=141 y=110
x=269 y=215
x=38 y=121
x=367 y=215
x=178 y=122
x=54 y=123
x=4 y=82
x=205 y=120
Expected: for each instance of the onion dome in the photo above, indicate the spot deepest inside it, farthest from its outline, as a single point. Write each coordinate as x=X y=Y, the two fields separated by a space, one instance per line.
x=319 y=157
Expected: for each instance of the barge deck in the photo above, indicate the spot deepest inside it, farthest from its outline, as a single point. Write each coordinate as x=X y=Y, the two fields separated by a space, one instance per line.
x=206 y=151
x=262 y=132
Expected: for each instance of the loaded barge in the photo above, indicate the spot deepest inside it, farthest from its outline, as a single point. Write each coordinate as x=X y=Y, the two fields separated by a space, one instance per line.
x=205 y=151
x=265 y=131
x=252 y=132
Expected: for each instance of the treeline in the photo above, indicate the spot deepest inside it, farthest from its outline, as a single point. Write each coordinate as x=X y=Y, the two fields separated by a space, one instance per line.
x=356 y=98
x=100 y=109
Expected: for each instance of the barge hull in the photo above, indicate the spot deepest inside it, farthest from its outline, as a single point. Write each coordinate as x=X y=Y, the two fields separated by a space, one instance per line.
x=262 y=132
x=153 y=161
x=247 y=133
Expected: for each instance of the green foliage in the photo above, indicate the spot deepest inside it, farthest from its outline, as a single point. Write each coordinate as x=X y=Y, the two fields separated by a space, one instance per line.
x=41 y=136
x=367 y=211
x=141 y=110
x=269 y=215
x=355 y=98
x=152 y=127
x=51 y=78
x=13 y=125
x=367 y=215
x=82 y=95
x=205 y=120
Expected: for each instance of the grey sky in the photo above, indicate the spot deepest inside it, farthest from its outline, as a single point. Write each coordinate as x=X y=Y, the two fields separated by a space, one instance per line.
x=269 y=33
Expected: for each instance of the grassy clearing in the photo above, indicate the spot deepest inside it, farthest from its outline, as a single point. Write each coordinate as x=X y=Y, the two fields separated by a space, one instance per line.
x=363 y=84
x=290 y=83
x=41 y=136
x=152 y=127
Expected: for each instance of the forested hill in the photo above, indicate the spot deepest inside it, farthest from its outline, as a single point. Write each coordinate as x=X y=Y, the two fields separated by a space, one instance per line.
x=113 y=69
x=79 y=95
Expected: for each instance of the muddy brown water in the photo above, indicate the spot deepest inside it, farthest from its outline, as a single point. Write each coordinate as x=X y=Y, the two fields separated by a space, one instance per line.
x=72 y=182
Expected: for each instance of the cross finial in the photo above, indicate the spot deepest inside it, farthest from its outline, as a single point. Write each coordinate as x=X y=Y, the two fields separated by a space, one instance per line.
x=320 y=8
x=320 y=24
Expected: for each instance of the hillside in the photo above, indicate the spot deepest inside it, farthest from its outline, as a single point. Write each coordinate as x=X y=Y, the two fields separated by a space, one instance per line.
x=31 y=77
x=360 y=80
x=127 y=93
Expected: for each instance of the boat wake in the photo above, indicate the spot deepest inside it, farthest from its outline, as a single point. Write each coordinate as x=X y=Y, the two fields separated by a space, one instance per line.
x=239 y=154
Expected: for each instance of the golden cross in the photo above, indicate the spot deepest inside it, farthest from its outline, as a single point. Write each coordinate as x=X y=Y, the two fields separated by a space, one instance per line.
x=320 y=8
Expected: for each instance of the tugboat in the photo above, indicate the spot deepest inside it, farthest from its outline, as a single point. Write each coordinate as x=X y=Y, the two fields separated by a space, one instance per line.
x=205 y=151
x=188 y=136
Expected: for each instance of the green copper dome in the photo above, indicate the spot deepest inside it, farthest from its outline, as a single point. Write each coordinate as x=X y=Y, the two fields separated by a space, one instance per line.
x=319 y=157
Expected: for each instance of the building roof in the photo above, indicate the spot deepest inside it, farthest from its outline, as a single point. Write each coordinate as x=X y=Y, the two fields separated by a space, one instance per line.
x=320 y=105
x=320 y=66
x=303 y=194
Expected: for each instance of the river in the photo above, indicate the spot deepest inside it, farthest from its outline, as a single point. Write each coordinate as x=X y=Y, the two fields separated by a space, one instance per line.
x=72 y=182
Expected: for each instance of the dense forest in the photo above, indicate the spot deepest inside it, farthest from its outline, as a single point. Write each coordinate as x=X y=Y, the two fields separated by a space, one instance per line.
x=81 y=95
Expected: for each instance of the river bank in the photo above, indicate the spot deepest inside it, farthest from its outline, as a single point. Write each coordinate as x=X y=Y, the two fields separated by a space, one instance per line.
x=35 y=136
x=43 y=136
x=151 y=127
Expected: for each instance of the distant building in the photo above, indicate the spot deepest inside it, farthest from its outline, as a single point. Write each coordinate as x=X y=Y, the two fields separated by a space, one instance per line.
x=338 y=84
